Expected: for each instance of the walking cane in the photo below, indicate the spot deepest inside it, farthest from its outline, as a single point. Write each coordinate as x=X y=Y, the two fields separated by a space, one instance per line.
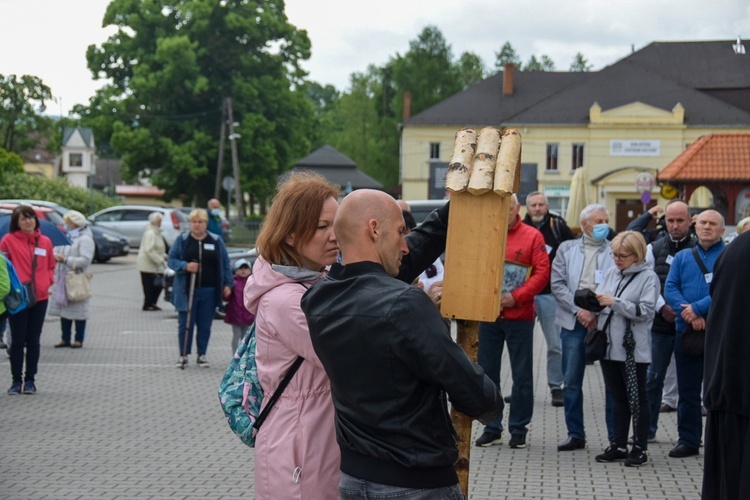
x=187 y=322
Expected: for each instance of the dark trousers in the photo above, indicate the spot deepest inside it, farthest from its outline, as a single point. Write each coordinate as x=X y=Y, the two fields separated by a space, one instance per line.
x=726 y=473
x=151 y=292
x=201 y=316
x=67 y=327
x=662 y=348
x=26 y=330
x=689 y=381
x=615 y=379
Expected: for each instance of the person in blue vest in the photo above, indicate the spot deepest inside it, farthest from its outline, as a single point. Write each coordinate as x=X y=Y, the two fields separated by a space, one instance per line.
x=686 y=291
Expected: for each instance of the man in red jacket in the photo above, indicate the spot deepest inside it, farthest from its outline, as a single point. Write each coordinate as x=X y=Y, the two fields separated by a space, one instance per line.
x=515 y=327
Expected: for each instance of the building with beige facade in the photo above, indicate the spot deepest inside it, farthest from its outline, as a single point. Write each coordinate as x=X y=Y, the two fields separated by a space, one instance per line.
x=622 y=124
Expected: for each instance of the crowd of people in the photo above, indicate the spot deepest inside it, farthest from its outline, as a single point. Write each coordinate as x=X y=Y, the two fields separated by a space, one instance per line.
x=353 y=289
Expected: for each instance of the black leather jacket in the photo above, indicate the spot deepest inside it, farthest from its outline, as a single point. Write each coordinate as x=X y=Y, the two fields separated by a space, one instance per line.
x=391 y=361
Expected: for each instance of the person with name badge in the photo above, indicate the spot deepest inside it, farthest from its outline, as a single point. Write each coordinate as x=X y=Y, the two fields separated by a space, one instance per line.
x=31 y=254
x=200 y=253
x=579 y=264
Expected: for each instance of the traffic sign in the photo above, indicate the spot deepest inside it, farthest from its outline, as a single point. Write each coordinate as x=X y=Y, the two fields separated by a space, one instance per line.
x=227 y=183
x=646 y=197
x=644 y=181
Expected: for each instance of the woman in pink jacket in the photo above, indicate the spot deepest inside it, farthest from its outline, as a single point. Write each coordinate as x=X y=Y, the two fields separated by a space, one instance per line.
x=296 y=454
x=31 y=254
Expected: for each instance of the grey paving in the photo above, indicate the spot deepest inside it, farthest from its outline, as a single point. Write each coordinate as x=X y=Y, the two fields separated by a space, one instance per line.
x=116 y=420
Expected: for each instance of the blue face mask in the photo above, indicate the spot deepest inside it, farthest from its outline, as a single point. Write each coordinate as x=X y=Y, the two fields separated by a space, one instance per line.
x=600 y=232
x=215 y=211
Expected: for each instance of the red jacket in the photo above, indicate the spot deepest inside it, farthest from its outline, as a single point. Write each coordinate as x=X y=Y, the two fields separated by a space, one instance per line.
x=19 y=248
x=526 y=245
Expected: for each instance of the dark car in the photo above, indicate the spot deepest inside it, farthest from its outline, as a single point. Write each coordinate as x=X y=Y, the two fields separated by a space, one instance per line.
x=109 y=243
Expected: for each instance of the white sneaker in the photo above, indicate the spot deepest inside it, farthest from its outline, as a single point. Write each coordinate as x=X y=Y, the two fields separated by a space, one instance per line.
x=202 y=361
x=182 y=361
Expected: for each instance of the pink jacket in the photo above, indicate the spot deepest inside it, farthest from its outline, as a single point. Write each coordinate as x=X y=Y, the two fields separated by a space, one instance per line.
x=296 y=454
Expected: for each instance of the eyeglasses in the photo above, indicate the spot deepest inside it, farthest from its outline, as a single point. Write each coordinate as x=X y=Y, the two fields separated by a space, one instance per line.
x=622 y=255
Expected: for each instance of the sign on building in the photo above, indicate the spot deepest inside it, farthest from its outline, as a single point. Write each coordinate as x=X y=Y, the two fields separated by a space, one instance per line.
x=627 y=147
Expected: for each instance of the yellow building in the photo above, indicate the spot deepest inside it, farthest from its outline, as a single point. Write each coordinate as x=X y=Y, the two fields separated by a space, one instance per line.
x=623 y=124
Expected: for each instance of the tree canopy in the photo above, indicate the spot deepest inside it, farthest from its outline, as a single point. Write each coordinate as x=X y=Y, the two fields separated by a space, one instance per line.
x=20 y=100
x=171 y=64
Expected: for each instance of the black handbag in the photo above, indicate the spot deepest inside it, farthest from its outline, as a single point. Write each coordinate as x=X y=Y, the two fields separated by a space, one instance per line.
x=694 y=341
x=597 y=341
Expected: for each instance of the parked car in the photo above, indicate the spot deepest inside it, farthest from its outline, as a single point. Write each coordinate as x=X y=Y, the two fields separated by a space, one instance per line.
x=108 y=242
x=420 y=209
x=131 y=220
x=226 y=228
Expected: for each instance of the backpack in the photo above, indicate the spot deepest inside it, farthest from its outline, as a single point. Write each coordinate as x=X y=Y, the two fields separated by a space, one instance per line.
x=17 y=299
x=241 y=395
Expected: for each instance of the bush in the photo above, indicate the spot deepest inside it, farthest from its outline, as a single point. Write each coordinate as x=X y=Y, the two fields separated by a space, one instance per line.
x=32 y=187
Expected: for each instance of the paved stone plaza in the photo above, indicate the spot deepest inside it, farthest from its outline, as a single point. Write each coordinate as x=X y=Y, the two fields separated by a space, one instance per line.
x=117 y=420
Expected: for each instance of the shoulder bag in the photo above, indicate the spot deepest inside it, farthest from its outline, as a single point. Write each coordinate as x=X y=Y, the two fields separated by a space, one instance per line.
x=694 y=341
x=596 y=341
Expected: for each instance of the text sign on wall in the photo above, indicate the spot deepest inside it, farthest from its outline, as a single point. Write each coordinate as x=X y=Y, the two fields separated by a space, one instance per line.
x=623 y=147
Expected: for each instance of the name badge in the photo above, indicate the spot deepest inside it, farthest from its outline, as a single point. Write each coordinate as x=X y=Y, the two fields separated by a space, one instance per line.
x=209 y=246
x=670 y=258
x=549 y=249
x=40 y=251
x=598 y=276
x=709 y=277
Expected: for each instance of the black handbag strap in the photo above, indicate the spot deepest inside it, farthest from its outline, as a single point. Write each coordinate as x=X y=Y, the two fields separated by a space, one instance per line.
x=699 y=261
x=617 y=294
x=277 y=393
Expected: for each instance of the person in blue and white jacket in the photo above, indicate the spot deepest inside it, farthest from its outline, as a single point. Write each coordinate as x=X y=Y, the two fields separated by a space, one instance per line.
x=686 y=291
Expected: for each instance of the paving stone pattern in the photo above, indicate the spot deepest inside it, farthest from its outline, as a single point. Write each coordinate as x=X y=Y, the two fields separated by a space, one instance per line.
x=117 y=420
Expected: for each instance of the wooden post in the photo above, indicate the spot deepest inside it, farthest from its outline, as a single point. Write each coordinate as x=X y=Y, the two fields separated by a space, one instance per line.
x=468 y=338
x=475 y=256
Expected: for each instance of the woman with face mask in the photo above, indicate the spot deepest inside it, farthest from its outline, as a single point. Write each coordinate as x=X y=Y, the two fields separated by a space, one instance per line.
x=76 y=257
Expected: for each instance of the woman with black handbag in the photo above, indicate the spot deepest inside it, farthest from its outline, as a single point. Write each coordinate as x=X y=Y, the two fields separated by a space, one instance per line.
x=31 y=254
x=628 y=294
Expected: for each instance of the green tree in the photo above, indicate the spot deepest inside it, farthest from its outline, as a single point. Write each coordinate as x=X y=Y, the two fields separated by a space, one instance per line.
x=171 y=64
x=10 y=163
x=579 y=63
x=471 y=69
x=547 y=63
x=507 y=55
x=20 y=100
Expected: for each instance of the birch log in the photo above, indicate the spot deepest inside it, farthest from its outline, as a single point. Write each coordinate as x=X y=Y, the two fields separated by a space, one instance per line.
x=459 y=167
x=483 y=170
x=507 y=169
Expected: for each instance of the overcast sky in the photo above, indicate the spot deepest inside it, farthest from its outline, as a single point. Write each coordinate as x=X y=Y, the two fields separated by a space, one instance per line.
x=48 y=38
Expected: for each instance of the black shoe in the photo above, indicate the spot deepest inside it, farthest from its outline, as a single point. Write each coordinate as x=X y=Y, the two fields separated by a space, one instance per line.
x=612 y=454
x=63 y=343
x=507 y=398
x=665 y=408
x=489 y=438
x=637 y=457
x=557 y=397
x=572 y=444
x=517 y=441
x=682 y=451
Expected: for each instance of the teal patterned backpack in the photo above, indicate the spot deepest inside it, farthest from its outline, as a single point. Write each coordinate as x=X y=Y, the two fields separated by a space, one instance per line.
x=241 y=395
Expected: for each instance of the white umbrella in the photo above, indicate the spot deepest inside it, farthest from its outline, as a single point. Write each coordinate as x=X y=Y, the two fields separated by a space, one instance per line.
x=579 y=196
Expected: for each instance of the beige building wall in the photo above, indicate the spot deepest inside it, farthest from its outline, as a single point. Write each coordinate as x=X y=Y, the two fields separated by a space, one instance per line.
x=662 y=133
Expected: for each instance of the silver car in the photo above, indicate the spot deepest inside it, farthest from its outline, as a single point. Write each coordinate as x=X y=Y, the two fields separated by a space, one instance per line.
x=131 y=220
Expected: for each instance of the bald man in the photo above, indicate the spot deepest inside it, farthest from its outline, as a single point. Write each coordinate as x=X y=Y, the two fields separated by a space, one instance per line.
x=391 y=361
x=687 y=293
x=214 y=217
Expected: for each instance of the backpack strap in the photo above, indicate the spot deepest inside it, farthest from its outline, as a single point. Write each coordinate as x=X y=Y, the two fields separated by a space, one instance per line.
x=699 y=261
x=277 y=393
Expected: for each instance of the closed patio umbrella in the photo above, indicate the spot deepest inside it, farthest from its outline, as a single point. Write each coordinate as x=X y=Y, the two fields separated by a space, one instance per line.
x=579 y=196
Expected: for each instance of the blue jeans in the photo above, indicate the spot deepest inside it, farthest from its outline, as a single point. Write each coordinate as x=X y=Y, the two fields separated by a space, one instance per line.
x=689 y=380
x=545 y=313
x=26 y=330
x=519 y=335
x=67 y=329
x=202 y=315
x=662 y=348
x=352 y=488
x=574 y=367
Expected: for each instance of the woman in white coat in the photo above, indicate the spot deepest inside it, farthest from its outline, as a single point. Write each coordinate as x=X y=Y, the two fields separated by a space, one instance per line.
x=76 y=257
x=152 y=261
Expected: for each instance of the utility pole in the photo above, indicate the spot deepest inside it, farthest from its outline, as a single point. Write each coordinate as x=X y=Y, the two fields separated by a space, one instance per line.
x=233 y=136
x=222 y=140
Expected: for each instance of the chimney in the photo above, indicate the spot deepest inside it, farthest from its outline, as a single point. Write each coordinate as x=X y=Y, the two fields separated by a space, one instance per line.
x=407 y=105
x=508 y=79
